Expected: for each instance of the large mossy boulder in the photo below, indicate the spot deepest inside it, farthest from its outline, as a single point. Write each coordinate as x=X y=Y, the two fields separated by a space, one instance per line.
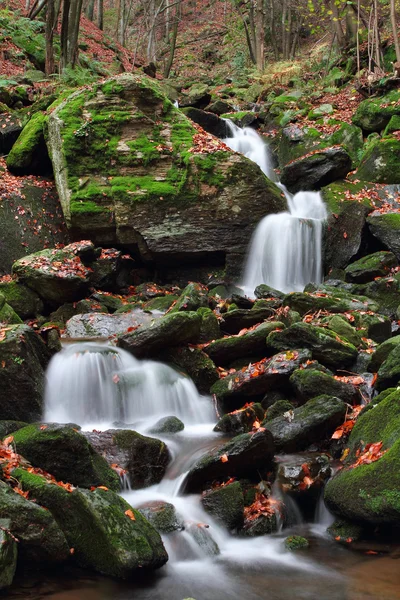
x=386 y=228
x=169 y=331
x=389 y=371
x=107 y=534
x=23 y=359
x=316 y=170
x=209 y=121
x=41 y=540
x=382 y=352
x=195 y=363
x=101 y=324
x=245 y=455
x=237 y=319
x=24 y=301
x=310 y=383
x=316 y=420
x=29 y=155
x=130 y=170
x=369 y=492
x=325 y=345
x=8 y=316
x=225 y=504
x=251 y=343
x=58 y=276
x=374 y=114
x=194 y=296
x=10 y=129
x=65 y=453
x=380 y=162
x=145 y=459
x=368 y=267
x=8 y=554
x=338 y=301
x=241 y=420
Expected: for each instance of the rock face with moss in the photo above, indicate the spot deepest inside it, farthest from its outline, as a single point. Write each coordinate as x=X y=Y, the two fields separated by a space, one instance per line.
x=311 y=172
x=29 y=153
x=375 y=113
x=386 y=228
x=129 y=170
x=380 y=162
x=8 y=554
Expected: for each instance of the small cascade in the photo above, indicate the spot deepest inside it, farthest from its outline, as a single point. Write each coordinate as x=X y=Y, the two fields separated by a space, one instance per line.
x=286 y=249
x=97 y=385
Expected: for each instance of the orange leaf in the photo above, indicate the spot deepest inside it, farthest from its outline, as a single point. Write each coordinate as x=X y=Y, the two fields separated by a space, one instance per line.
x=102 y=487
x=224 y=458
x=345 y=235
x=129 y=513
x=8 y=440
x=371 y=552
x=42 y=427
x=72 y=550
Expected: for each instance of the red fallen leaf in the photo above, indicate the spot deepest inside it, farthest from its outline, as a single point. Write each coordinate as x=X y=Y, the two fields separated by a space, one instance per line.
x=305 y=469
x=224 y=458
x=102 y=487
x=371 y=453
x=345 y=235
x=8 y=440
x=371 y=552
x=129 y=513
x=349 y=540
x=42 y=427
x=72 y=550
x=338 y=538
x=115 y=378
x=256 y=424
x=21 y=493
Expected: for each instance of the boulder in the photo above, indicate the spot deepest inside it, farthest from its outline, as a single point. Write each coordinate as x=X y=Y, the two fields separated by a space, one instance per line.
x=23 y=358
x=235 y=320
x=10 y=128
x=8 y=316
x=368 y=267
x=241 y=420
x=314 y=171
x=311 y=423
x=8 y=554
x=382 y=352
x=154 y=191
x=342 y=327
x=375 y=326
x=337 y=301
x=259 y=377
x=251 y=343
x=107 y=534
x=389 y=371
x=65 y=453
x=292 y=474
x=167 y=425
x=194 y=296
x=29 y=155
x=374 y=114
x=379 y=162
x=25 y=302
x=386 y=228
x=277 y=409
x=225 y=504
x=58 y=276
x=326 y=346
x=9 y=426
x=208 y=121
x=145 y=459
x=195 y=363
x=245 y=455
x=169 y=331
x=209 y=327
x=309 y=383
x=369 y=492
x=41 y=540
x=162 y=515
x=103 y=325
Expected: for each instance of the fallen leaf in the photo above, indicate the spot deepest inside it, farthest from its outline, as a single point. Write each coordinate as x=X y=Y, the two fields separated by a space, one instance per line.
x=129 y=513
x=224 y=458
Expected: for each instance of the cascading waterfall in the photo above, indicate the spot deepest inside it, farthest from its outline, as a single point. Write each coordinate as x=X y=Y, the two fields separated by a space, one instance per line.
x=286 y=249
x=96 y=385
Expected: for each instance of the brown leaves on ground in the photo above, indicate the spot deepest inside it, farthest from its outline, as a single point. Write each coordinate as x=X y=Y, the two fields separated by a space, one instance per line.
x=371 y=453
x=205 y=143
x=262 y=505
x=350 y=421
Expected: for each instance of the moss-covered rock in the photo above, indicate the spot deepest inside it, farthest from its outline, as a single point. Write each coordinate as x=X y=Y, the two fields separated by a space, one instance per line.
x=237 y=319
x=369 y=493
x=325 y=345
x=129 y=173
x=9 y=426
x=310 y=423
x=95 y=324
x=162 y=303
x=375 y=326
x=195 y=363
x=145 y=459
x=194 y=296
x=368 y=267
x=22 y=299
x=8 y=316
x=309 y=383
x=225 y=504
x=296 y=542
x=379 y=163
x=245 y=455
x=389 y=371
x=162 y=515
x=375 y=113
x=228 y=349
x=277 y=409
x=386 y=228
x=337 y=302
x=168 y=425
x=29 y=155
x=342 y=327
x=41 y=540
x=8 y=554
x=303 y=474
x=382 y=352
x=345 y=532
x=107 y=534
x=65 y=453
x=169 y=331
x=241 y=420
x=23 y=358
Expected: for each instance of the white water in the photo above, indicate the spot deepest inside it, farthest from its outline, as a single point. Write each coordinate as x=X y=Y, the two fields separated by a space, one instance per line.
x=97 y=385
x=286 y=248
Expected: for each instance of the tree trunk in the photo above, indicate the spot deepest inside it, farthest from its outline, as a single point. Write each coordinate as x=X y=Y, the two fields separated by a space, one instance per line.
x=173 y=36
x=100 y=14
x=337 y=26
x=394 y=29
x=260 y=34
x=64 y=35
x=73 y=31
x=49 y=63
x=89 y=12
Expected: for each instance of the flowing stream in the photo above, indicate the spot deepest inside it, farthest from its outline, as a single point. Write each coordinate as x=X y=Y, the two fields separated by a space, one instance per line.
x=286 y=248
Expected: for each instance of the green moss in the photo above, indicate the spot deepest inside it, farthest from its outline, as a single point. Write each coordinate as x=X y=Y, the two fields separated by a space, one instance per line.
x=380 y=162
x=335 y=195
x=21 y=154
x=86 y=206
x=296 y=542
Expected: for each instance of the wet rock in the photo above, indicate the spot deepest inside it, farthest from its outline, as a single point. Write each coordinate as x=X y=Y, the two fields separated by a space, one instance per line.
x=342 y=327
x=367 y=268
x=302 y=473
x=389 y=371
x=107 y=534
x=65 y=453
x=315 y=171
x=103 y=325
x=265 y=291
x=241 y=420
x=25 y=358
x=265 y=524
x=208 y=121
x=244 y=455
x=10 y=128
x=382 y=352
x=342 y=531
x=228 y=349
x=225 y=504
x=168 y=425
x=379 y=162
x=203 y=538
x=309 y=383
x=25 y=302
x=194 y=363
x=374 y=114
x=169 y=331
x=236 y=320
x=162 y=515
x=338 y=301
x=194 y=296
x=219 y=107
x=145 y=459
x=386 y=228
x=374 y=326
x=259 y=377
x=312 y=422
x=277 y=409
x=324 y=345
x=296 y=542
x=7 y=315
x=161 y=304
x=41 y=541
x=8 y=554
x=209 y=327
x=7 y=427
x=29 y=155
x=368 y=493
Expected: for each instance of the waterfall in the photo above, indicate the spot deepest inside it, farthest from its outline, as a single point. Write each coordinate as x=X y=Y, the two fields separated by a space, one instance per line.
x=96 y=385
x=286 y=248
